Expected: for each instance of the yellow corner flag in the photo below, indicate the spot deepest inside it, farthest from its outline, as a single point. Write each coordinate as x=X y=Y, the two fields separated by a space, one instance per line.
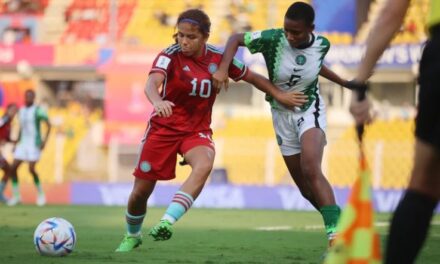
x=357 y=241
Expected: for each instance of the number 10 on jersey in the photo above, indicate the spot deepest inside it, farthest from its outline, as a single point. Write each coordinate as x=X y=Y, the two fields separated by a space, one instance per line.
x=204 y=90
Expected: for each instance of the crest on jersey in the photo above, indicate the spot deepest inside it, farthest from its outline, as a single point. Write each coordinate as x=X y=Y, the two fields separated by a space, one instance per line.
x=145 y=166
x=212 y=67
x=300 y=59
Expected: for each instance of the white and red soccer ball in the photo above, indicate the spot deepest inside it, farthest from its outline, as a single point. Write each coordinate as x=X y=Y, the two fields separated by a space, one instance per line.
x=54 y=237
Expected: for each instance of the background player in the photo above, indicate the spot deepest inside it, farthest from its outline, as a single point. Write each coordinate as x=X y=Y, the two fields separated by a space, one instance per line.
x=180 y=123
x=29 y=146
x=5 y=136
x=412 y=217
x=294 y=57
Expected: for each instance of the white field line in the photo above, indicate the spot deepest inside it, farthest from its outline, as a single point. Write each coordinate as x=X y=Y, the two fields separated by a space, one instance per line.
x=273 y=228
x=315 y=227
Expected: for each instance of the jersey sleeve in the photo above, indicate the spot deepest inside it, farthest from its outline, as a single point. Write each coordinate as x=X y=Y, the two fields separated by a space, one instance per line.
x=162 y=64
x=41 y=114
x=237 y=70
x=259 y=41
x=324 y=46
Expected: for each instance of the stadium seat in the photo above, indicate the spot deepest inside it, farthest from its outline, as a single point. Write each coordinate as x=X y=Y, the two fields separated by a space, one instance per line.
x=88 y=19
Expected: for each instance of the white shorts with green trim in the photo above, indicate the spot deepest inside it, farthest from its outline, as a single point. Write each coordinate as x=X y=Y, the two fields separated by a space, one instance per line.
x=289 y=126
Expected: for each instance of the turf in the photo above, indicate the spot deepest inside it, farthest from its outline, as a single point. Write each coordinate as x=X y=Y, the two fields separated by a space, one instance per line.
x=202 y=236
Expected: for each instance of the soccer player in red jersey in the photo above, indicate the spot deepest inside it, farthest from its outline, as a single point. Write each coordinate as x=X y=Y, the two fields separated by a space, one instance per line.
x=5 y=131
x=180 y=122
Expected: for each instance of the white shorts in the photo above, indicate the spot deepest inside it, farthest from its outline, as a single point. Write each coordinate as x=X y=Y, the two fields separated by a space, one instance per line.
x=28 y=153
x=289 y=126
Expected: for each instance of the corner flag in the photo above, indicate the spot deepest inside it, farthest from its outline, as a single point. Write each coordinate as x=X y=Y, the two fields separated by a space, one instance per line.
x=357 y=241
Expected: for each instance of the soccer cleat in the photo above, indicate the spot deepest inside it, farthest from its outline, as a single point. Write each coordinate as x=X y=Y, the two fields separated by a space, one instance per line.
x=162 y=231
x=14 y=201
x=332 y=238
x=41 y=199
x=331 y=242
x=129 y=243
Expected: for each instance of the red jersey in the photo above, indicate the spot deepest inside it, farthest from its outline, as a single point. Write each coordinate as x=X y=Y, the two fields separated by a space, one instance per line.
x=188 y=85
x=5 y=128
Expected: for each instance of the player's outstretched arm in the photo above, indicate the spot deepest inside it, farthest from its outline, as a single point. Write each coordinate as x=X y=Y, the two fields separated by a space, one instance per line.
x=220 y=77
x=388 y=23
x=18 y=138
x=290 y=99
x=49 y=127
x=163 y=108
x=332 y=76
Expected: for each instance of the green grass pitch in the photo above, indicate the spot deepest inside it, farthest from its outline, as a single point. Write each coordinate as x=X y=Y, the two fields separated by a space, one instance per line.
x=202 y=236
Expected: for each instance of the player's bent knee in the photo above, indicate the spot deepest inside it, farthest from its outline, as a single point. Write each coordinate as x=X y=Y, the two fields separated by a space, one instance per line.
x=203 y=169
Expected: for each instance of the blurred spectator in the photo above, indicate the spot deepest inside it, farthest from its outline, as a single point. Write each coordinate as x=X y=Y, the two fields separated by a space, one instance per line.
x=63 y=94
x=385 y=111
x=22 y=6
x=190 y=5
x=238 y=17
x=164 y=18
x=16 y=35
x=8 y=37
x=407 y=111
x=26 y=37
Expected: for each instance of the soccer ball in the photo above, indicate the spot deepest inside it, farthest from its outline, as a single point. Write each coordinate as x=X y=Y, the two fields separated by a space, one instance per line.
x=54 y=237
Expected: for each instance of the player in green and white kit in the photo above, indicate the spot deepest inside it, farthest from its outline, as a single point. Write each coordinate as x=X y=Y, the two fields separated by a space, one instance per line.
x=294 y=60
x=29 y=146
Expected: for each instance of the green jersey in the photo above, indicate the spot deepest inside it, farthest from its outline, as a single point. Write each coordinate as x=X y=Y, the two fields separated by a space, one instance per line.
x=289 y=68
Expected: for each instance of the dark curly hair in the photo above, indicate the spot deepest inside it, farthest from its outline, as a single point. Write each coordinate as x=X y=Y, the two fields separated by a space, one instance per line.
x=301 y=11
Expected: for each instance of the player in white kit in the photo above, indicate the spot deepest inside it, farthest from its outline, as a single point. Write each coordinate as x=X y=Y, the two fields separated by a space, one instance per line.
x=29 y=146
x=294 y=59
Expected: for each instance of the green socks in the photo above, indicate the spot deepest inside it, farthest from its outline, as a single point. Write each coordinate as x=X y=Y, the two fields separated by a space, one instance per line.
x=330 y=214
